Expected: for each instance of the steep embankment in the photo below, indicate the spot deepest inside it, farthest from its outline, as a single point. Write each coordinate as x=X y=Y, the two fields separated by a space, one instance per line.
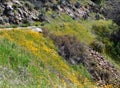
x=34 y=56
x=78 y=45
x=30 y=60
x=74 y=47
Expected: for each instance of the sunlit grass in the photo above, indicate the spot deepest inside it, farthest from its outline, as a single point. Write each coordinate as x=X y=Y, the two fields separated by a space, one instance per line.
x=73 y=29
x=47 y=67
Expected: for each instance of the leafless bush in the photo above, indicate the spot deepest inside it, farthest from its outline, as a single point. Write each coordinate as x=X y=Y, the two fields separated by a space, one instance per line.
x=70 y=48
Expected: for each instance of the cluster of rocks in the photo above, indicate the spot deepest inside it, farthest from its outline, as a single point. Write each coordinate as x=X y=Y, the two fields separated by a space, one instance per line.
x=16 y=12
x=102 y=70
x=76 y=11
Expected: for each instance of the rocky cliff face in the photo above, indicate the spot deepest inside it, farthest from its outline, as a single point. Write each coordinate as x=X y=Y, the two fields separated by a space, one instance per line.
x=15 y=12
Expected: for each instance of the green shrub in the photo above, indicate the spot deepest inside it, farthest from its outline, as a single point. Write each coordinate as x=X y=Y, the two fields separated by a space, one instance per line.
x=114 y=51
x=104 y=31
x=98 y=46
x=12 y=54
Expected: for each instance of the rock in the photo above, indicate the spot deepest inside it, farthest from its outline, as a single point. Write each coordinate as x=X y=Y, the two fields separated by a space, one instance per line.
x=77 y=5
x=8 y=9
x=6 y=19
x=97 y=16
x=102 y=68
x=15 y=12
x=9 y=6
x=54 y=7
x=72 y=61
x=53 y=16
x=16 y=2
x=42 y=17
x=36 y=29
x=19 y=12
x=85 y=16
x=25 y=14
x=1 y=20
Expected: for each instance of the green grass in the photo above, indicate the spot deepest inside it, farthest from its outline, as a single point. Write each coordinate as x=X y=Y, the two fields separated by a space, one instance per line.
x=13 y=58
x=67 y=26
x=39 y=56
x=25 y=49
x=36 y=63
x=13 y=55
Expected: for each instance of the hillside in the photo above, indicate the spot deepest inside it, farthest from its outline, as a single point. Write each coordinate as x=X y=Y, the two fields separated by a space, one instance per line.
x=59 y=44
x=35 y=62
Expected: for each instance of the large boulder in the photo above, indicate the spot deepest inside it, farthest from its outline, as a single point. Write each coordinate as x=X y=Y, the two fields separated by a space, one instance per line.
x=9 y=9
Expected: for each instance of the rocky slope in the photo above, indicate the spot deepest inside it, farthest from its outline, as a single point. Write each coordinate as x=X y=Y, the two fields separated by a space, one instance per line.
x=75 y=52
x=16 y=12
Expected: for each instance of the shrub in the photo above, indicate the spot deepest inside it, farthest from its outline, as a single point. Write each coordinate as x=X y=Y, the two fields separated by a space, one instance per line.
x=70 y=48
x=114 y=51
x=105 y=32
x=98 y=46
x=104 y=29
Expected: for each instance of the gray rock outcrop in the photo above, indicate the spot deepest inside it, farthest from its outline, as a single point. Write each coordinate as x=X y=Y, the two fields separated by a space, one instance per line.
x=17 y=12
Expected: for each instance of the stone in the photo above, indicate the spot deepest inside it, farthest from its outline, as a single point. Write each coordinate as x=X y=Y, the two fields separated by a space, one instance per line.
x=77 y=5
x=97 y=16
x=6 y=19
x=53 y=16
x=8 y=9
x=36 y=29
x=1 y=20
x=54 y=7
x=16 y=2
x=42 y=17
